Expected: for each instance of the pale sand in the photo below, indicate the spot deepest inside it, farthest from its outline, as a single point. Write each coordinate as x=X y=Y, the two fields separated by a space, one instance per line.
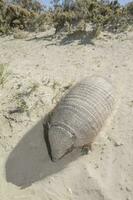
x=26 y=171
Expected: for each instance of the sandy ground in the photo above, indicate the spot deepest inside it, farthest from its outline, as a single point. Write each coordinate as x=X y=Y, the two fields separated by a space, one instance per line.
x=39 y=70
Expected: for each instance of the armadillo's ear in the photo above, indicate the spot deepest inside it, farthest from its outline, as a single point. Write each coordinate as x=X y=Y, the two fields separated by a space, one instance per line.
x=61 y=142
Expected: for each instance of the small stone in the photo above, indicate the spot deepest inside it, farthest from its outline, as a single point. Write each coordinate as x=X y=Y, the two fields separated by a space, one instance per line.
x=128 y=190
x=116 y=144
x=69 y=190
x=96 y=166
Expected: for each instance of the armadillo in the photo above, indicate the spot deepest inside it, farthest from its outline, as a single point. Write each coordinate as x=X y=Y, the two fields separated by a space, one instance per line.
x=80 y=115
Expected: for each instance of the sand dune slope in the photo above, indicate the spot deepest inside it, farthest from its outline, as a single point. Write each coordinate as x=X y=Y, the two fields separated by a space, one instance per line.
x=39 y=72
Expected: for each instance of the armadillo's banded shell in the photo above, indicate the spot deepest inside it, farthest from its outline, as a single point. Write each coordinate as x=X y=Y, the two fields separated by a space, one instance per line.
x=80 y=115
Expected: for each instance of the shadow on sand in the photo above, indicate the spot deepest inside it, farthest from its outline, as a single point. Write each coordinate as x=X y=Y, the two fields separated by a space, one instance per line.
x=46 y=37
x=81 y=37
x=30 y=161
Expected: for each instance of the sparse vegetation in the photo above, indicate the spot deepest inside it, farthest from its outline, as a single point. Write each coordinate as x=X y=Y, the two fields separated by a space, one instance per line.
x=3 y=74
x=69 y=16
x=20 y=99
x=21 y=106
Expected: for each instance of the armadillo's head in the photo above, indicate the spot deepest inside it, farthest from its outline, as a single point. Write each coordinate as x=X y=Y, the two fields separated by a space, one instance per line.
x=60 y=142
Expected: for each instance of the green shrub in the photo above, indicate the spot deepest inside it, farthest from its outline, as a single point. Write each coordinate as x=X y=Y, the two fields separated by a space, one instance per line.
x=30 y=5
x=130 y=8
x=3 y=24
x=109 y=16
x=70 y=16
x=22 y=15
x=16 y=16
